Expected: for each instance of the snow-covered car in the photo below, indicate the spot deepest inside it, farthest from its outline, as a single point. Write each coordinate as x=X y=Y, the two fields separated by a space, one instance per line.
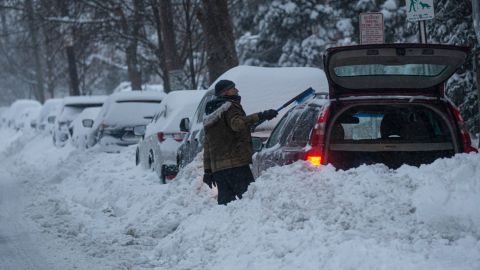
x=27 y=118
x=386 y=105
x=121 y=113
x=261 y=88
x=50 y=107
x=70 y=109
x=158 y=149
x=13 y=112
x=82 y=127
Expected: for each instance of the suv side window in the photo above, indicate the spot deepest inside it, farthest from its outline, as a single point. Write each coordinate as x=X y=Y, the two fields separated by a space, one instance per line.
x=277 y=132
x=294 y=115
x=303 y=126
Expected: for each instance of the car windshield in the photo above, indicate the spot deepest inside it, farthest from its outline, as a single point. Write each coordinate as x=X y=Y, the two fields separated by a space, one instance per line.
x=428 y=70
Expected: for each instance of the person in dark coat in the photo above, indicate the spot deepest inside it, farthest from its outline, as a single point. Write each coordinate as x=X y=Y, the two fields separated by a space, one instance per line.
x=227 y=145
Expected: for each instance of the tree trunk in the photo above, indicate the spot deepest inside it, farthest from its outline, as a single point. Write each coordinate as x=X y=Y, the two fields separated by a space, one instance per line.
x=132 y=65
x=187 y=6
x=70 y=51
x=160 y=54
x=39 y=92
x=220 y=42
x=49 y=63
x=172 y=61
x=131 y=51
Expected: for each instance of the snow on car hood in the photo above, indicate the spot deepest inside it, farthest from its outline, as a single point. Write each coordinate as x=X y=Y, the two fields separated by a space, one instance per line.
x=292 y=217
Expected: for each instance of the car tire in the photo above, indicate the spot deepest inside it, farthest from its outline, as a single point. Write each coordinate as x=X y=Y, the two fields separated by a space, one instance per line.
x=137 y=157
x=163 y=180
x=151 y=160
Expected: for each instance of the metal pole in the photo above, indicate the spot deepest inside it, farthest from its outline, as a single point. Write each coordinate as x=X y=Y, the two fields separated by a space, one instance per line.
x=423 y=32
x=477 y=73
x=476 y=25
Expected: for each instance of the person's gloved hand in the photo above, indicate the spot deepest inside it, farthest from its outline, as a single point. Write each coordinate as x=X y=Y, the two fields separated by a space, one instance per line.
x=268 y=114
x=208 y=178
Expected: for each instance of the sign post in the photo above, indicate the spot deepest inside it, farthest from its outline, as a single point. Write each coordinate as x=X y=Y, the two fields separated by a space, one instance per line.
x=420 y=11
x=476 y=25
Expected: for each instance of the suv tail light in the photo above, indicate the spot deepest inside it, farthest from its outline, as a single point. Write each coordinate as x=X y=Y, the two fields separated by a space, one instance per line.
x=465 y=136
x=317 y=141
x=177 y=136
x=314 y=159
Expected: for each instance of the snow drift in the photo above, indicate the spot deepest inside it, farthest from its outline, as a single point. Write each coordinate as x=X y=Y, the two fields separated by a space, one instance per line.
x=292 y=217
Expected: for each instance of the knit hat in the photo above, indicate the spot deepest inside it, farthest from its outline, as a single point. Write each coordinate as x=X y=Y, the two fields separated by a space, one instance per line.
x=223 y=85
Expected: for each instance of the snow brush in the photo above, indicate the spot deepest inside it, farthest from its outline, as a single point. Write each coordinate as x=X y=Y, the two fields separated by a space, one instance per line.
x=298 y=98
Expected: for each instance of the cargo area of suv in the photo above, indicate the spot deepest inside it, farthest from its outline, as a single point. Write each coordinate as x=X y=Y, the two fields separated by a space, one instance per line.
x=393 y=134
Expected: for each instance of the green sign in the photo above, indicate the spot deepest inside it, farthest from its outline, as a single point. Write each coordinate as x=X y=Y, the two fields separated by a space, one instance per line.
x=419 y=10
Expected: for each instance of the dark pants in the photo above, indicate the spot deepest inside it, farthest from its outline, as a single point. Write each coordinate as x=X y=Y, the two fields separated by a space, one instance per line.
x=232 y=182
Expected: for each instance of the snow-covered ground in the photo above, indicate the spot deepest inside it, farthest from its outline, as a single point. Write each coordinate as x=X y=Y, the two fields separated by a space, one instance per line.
x=99 y=211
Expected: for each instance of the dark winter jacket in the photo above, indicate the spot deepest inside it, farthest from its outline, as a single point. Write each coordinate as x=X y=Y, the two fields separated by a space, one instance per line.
x=227 y=142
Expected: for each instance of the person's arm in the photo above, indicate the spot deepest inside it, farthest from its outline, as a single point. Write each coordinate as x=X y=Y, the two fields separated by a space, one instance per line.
x=237 y=121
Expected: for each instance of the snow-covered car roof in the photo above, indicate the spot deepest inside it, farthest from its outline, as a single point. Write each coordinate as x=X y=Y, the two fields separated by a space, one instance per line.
x=127 y=86
x=18 y=106
x=175 y=106
x=124 y=109
x=136 y=95
x=264 y=88
x=79 y=100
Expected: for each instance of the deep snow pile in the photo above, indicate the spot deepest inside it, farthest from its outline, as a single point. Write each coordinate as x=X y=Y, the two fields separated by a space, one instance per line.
x=292 y=217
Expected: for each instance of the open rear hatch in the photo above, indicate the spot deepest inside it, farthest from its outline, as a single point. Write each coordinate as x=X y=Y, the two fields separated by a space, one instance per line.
x=392 y=69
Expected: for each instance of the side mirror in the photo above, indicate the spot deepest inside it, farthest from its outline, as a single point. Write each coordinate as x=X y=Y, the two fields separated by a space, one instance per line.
x=51 y=119
x=139 y=130
x=185 y=125
x=257 y=144
x=88 y=123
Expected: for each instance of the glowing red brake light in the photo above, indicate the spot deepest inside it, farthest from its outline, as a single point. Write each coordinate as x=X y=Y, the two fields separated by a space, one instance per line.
x=315 y=160
x=317 y=139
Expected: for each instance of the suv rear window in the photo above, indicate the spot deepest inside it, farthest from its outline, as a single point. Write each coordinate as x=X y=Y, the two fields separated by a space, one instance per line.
x=425 y=70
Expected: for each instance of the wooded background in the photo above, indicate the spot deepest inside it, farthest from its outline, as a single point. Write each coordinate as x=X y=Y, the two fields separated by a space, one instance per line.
x=54 y=48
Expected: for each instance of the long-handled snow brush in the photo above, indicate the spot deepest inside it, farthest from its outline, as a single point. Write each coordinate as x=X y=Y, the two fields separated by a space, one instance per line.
x=298 y=98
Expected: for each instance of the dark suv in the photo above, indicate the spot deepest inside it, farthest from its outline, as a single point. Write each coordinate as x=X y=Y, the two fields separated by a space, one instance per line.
x=386 y=104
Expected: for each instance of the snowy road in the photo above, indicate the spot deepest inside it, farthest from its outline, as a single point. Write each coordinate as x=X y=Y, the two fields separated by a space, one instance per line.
x=18 y=249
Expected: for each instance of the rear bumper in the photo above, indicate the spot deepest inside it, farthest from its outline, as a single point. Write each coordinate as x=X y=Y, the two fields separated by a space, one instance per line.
x=169 y=171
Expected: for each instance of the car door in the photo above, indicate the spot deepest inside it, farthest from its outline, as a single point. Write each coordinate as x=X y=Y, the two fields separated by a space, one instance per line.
x=297 y=134
x=268 y=156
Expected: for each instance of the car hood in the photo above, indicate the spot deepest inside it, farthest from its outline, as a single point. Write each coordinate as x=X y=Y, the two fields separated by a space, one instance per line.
x=392 y=69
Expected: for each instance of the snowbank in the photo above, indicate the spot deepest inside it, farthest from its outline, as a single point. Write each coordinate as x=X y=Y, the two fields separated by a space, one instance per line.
x=292 y=217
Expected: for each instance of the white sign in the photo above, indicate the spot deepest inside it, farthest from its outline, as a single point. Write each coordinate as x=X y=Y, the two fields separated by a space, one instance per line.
x=371 y=28
x=419 y=10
